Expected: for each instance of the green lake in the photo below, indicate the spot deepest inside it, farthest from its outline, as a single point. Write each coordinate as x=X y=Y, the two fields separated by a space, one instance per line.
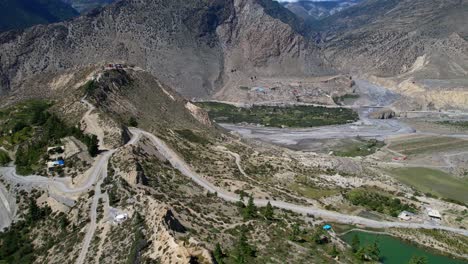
x=396 y=251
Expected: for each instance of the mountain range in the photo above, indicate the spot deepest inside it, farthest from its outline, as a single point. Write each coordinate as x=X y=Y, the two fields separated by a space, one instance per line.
x=203 y=48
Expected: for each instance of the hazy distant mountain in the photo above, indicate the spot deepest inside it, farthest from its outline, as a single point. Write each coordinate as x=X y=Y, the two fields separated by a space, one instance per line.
x=309 y=9
x=84 y=6
x=17 y=14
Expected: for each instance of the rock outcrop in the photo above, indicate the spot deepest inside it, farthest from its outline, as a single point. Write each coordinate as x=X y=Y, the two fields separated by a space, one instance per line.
x=383 y=114
x=162 y=229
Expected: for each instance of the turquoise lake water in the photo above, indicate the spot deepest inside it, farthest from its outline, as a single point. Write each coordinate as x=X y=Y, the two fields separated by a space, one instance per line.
x=396 y=251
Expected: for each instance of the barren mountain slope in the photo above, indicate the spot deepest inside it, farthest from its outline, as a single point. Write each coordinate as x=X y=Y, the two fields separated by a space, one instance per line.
x=191 y=45
x=418 y=48
x=386 y=37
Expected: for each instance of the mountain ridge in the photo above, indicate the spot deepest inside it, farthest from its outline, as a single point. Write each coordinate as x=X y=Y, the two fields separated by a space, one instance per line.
x=192 y=47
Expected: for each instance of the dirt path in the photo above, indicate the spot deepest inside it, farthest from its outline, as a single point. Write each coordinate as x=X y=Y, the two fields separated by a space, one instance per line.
x=184 y=168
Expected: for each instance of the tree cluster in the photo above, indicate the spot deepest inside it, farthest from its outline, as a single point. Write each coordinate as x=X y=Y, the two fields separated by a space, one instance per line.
x=369 y=252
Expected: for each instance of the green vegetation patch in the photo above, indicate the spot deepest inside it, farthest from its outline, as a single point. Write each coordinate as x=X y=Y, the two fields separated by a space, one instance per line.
x=274 y=116
x=457 y=124
x=312 y=192
x=32 y=128
x=16 y=241
x=4 y=158
x=359 y=148
x=376 y=201
x=434 y=182
x=428 y=145
x=340 y=100
x=192 y=136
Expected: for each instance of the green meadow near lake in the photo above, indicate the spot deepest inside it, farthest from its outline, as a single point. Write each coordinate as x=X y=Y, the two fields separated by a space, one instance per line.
x=434 y=182
x=396 y=251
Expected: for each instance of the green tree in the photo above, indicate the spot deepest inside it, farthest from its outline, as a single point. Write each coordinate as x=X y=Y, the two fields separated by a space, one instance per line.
x=250 y=211
x=334 y=252
x=243 y=251
x=93 y=145
x=133 y=122
x=373 y=251
x=295 y=233
x=218 y=254
x=269 y=212
x=418 y=260
x=34 y=211
x=355 y=244
x=4 y=158
x=361 y=253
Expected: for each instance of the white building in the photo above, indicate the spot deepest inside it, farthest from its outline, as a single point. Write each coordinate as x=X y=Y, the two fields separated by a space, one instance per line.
x=432 y=213
x=120 y=218
x=405 y=215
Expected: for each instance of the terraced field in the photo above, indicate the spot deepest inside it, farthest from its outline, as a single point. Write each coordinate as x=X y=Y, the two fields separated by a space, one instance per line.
x=427 y=144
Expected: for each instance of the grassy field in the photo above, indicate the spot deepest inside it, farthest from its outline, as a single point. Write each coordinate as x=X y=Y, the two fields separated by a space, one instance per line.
x=457 y=124
x=294 y=116
x=312 y=192
x=428 y=144
x=358 y=148
x=434 y=182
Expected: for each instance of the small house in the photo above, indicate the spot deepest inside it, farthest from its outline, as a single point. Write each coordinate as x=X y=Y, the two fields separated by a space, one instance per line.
x=327 y=227
x=120 y=218
x=434 y=214
x=405 y=215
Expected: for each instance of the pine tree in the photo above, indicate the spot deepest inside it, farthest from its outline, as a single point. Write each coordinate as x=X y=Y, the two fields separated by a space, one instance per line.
x=334 y=252
x=355 y=244
x=250 y=210
x=243 y=251
x=269 y=212
x=373 y=251
x=418 y=260
x=295 y=234
x=34 y=211
x=218 y=254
